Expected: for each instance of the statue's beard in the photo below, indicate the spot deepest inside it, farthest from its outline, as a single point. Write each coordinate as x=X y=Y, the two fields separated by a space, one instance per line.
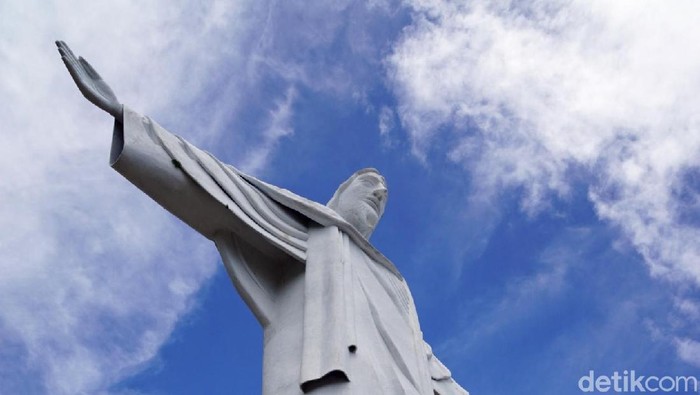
x=362 y=217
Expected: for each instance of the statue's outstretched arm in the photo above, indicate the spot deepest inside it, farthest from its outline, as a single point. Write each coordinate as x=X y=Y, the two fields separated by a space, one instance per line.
x=91 y=85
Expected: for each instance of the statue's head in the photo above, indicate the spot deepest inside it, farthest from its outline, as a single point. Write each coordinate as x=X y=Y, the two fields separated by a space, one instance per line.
x=361 y=199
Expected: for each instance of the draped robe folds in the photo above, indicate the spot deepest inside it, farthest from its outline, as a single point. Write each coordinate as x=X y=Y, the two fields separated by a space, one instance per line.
x=338 y=317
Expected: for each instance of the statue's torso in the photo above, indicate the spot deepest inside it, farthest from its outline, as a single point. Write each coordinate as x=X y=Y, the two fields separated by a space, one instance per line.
x=390 y=357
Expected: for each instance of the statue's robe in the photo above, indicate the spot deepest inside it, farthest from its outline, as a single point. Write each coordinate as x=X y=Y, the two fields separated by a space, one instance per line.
x=338 y=317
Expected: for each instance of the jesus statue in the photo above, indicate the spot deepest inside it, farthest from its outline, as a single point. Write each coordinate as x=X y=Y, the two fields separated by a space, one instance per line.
x=337 y=316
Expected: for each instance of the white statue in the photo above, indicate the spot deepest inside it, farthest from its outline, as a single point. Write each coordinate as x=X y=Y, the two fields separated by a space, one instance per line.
x=337 y=316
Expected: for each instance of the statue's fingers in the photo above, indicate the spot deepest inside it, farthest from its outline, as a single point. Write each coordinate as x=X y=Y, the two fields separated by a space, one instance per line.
x=79 y=68
x=82 y=81
x=64 y=54
x=89 y=69
x=62 y=45
x=72 y=68
x=76 y=70
x=64 y=50
x=70 y=61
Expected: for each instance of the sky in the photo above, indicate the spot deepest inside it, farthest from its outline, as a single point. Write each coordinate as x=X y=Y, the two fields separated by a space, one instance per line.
x=543 y=163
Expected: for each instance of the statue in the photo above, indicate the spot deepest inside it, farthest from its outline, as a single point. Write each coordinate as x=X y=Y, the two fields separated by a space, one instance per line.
x=337 y=316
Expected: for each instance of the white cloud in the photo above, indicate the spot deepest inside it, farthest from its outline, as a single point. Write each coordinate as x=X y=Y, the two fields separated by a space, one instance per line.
x=94 y=274
x=533 y=93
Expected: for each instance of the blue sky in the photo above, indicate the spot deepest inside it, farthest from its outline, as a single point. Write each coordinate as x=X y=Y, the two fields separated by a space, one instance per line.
x=542 y=163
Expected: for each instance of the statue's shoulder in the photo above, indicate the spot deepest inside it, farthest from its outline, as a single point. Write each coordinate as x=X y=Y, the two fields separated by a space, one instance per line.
x=315 y=211
x=320 y=214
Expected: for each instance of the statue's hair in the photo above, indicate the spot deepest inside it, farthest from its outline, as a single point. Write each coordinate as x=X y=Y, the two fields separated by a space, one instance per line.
x=333 y=203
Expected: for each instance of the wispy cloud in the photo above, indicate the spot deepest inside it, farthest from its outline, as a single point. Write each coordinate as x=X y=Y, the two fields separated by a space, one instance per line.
x=279 y=125
x=329 y=46
x=521 y=297
x=387 y=125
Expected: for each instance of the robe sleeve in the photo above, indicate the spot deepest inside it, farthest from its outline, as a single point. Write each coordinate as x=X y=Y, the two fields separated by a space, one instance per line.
x=208 y=195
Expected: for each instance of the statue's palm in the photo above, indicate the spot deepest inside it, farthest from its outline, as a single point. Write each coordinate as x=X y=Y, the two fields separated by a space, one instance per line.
x=89 y=81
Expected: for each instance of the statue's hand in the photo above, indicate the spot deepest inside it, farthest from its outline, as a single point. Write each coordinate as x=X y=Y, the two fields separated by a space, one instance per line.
x=91 y=85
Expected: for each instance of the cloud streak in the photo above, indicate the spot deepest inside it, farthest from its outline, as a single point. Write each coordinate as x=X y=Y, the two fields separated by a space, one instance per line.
x=279 y=125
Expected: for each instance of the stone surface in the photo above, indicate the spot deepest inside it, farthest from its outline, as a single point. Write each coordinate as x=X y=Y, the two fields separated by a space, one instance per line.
x=337 y=316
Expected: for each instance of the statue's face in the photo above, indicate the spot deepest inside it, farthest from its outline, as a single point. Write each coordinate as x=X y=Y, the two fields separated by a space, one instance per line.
x=362 y=202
